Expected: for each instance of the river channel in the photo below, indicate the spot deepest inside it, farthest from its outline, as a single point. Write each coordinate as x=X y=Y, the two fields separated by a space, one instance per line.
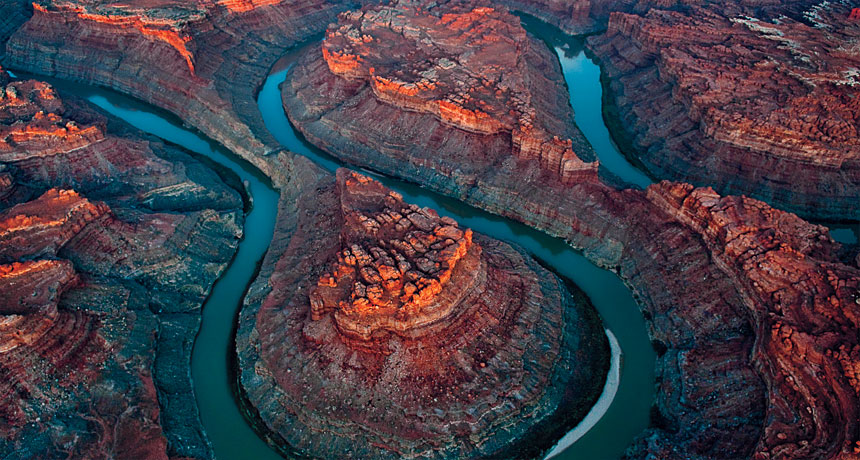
x=623 y=409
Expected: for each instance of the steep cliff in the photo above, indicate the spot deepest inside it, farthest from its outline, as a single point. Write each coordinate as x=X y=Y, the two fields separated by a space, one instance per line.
x=471 y=67
x=201 y=60
x=384 y=331
x=761 y=107
x=109 y=242
x=714 y=401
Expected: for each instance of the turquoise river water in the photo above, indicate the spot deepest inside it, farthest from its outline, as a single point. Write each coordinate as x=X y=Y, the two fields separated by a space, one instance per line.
x=622 y=411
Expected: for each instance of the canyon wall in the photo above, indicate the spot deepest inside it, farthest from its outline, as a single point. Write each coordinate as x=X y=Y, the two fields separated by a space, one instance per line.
x=720 y=394
x=750 y=105
x=378 y=329
x=109 y=243
x=201 y=60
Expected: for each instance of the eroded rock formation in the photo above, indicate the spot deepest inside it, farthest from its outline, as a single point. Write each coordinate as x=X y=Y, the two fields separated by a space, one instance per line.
x=469 y=65
x=201 y=60
x=805 y=309
x=751 y=105
x=489 y=354
x=714 y=377
x=395 y=264
x=101 y=295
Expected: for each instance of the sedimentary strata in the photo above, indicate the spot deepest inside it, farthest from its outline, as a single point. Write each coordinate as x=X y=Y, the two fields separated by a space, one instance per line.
x=201 y=60
x=109 y=243
x=380 y=330
x=716 y=396
x=758 y=105
x=469 y=65
x=804 y=306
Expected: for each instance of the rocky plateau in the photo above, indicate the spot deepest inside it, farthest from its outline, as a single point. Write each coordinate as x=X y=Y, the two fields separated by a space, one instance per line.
x=200 y=60
x=760 y=103
x=403 y=335
x=752 y=311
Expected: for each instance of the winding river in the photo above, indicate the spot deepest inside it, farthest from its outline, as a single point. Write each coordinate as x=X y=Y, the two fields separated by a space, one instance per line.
x=623 y=409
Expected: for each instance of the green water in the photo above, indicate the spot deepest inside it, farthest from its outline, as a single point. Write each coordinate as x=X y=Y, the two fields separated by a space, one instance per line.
x=627 y=413
x=622 y=411
x=847 y=233
x=231 y=436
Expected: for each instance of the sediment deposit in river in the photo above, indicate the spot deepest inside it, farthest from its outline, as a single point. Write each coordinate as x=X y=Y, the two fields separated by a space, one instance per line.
x=385 y=331
x=747 y=306
x=109 y=243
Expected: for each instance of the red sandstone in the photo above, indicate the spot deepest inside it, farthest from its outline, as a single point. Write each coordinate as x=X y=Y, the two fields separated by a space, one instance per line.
x=749 y=105
x=465 y=63
x=394 y=264
x=491 y=356
x=78 y=341
x=722 y=388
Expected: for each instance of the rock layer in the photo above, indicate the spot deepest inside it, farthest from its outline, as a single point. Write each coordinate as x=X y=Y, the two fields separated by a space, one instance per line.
x=109 y=243
x=467 y=64
x=201 y=60
x=512 y=363
x=724 y=96
x=715 y=397
x=470 y=66
x=394 y=265
x=805 y=308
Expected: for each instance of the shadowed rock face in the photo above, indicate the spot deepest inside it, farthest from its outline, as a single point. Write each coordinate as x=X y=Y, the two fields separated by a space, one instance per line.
x=700 y=306
x=201 y=60
x=490 y=355
x=468 y=64
x=805 y=308
x=101 y=295
x=730 y=98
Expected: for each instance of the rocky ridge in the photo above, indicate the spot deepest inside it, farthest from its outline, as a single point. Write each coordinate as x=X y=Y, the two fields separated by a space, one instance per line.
x=395 y=263
x=804 y=305
x=761 y=107
x=109 y=243
x=511 y=341
x=468 y=64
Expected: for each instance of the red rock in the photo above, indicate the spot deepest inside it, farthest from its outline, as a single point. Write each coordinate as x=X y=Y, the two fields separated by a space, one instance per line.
x=42 y=226
x=712 y=400
x=496 y=359
x=394 y=264
x=79 y=343
x=751 y=106
x=200 y=60
x=472 y=67
x=804 y=307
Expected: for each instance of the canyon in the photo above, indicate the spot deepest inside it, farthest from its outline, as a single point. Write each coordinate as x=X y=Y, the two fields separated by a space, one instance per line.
x=200 y=60
x=750 y=309
x=404 y=336
x=760 y=104
x=706 y=338
x=109 y=243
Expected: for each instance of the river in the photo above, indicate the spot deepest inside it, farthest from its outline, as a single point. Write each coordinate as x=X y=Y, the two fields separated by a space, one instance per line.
x=623 y=409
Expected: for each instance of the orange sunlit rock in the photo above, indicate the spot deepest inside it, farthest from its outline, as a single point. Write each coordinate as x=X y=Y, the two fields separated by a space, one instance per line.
x=390 y=323
x=395 y=261
x=751 y=104
x=82 y=288
x=468 y=66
